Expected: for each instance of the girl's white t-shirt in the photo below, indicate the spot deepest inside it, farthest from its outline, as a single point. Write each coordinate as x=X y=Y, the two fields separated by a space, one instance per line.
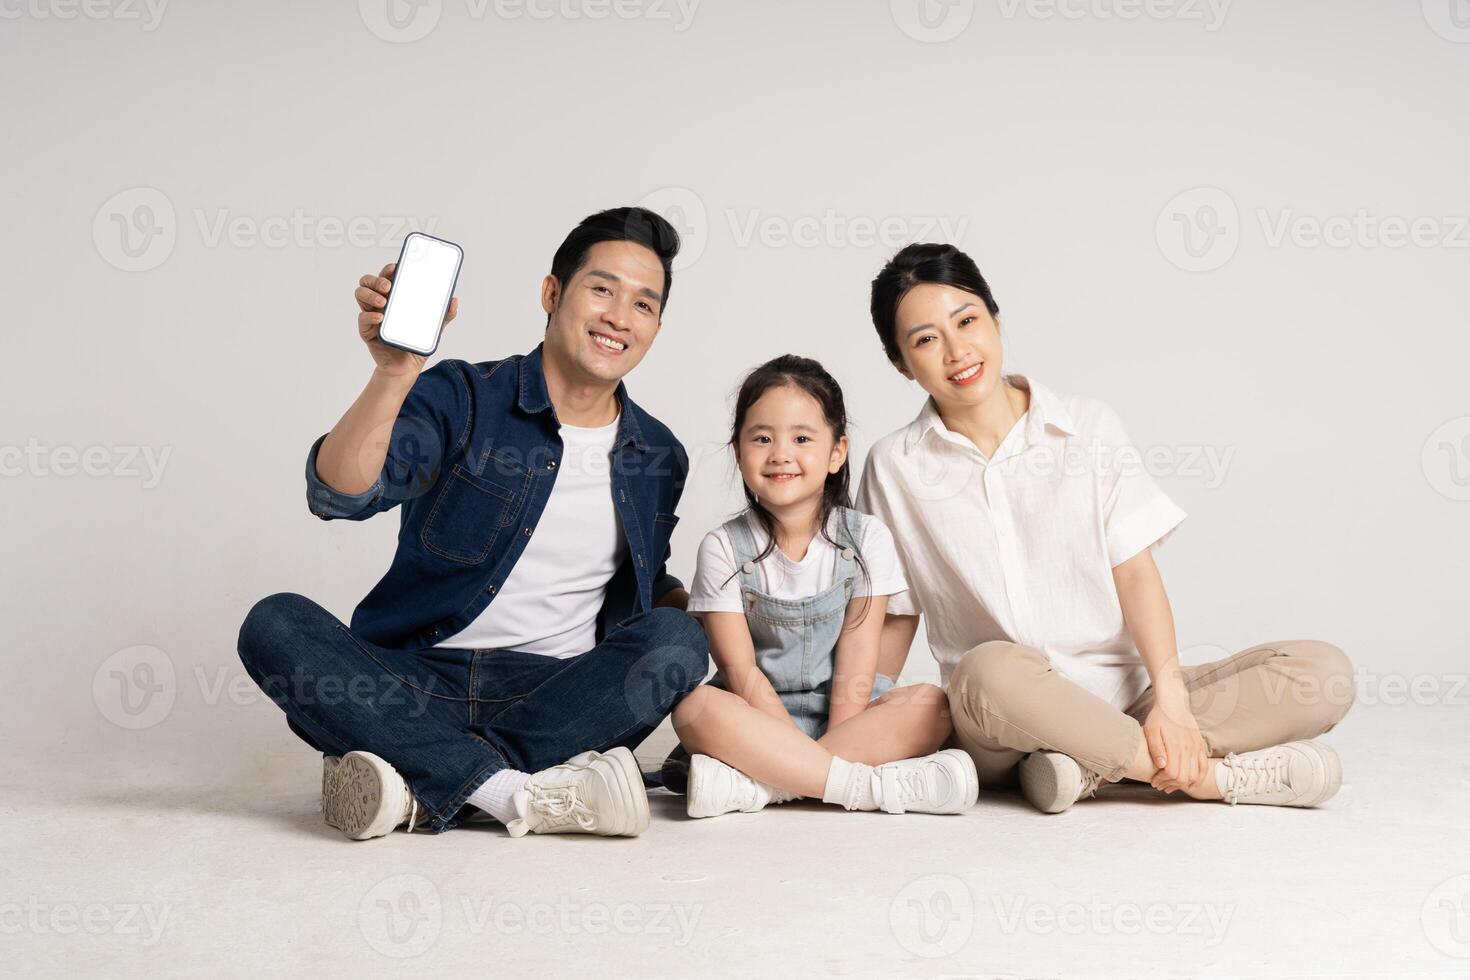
x=716 y=587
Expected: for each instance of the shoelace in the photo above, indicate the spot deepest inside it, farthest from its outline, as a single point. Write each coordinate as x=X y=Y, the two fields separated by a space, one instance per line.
x=746 y=792
x=1249 y=777
x=912 y=786
x=561 y=804
x=413 y=810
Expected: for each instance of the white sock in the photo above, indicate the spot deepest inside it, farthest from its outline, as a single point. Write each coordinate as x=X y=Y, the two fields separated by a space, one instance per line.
x=850 y=784
x=494 y=794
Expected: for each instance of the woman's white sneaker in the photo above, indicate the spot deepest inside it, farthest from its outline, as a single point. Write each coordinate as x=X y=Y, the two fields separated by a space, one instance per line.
x=945 y=782
x=1293 y=774
x=364 y=797
x=1052 y=781
x=591 y=793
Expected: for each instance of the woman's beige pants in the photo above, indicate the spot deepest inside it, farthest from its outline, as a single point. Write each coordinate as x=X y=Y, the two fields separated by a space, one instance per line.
x=1008 y=700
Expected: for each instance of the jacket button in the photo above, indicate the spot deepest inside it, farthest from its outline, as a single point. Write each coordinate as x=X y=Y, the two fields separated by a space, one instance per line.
x=748 y=568
x=551 y=464
x=491 y=590
x=528 y=532
x=434 y=633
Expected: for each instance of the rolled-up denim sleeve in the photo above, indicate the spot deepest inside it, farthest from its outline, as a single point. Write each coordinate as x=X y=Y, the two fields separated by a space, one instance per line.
x=431 y=426
x=329 y=503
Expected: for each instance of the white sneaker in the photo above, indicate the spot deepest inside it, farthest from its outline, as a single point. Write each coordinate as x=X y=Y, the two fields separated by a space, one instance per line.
x=363 y=796
x=592 y=793
x=716 y=788
x=1052 y=782
x=1294 y=774
x=944 y=782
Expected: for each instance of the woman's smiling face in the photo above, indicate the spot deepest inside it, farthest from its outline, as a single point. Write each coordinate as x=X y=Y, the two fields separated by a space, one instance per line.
x=950 y=344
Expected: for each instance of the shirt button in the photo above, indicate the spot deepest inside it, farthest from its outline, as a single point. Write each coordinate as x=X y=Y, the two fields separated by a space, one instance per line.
x=748 y=568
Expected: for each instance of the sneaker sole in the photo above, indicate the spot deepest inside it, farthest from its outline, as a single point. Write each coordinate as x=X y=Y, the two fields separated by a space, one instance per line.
x=1331 y=773
x=972 y=779
x=1046 y=778
x=630 y=781
x=354 y=802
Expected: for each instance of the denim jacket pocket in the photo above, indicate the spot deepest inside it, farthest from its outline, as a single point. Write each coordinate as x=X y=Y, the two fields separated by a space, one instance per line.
x=468 y=515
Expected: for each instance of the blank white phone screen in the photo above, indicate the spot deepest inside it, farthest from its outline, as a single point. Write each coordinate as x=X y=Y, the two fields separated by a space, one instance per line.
x=422 y=284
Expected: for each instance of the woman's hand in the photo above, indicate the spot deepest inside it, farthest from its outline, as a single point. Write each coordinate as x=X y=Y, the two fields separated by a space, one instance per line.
x=1175 y=745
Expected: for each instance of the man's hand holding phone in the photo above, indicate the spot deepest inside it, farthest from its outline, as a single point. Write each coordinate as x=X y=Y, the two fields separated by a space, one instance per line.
x=372 y=299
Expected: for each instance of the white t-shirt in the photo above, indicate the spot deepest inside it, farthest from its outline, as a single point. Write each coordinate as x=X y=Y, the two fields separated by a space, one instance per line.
x=1022 y=546
x=714 y=589
x=550 y=602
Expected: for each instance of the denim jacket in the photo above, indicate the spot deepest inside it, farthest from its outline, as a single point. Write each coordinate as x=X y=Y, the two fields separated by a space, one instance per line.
x=472 y=460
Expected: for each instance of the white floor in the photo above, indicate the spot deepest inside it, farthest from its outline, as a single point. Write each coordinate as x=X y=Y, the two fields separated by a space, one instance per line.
x=195 y=848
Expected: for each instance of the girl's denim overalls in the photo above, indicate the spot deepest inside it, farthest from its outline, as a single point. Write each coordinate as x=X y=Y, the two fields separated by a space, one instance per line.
x=795 y=639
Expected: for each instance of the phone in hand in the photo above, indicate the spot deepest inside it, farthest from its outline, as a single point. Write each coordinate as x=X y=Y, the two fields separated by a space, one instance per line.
x=423 y=285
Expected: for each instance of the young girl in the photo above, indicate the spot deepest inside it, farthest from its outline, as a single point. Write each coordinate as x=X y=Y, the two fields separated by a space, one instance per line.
x=1026 y=522
x=792 y=594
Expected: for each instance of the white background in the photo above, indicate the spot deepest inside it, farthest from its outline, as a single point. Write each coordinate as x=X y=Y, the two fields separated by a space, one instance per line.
x=1053 y=144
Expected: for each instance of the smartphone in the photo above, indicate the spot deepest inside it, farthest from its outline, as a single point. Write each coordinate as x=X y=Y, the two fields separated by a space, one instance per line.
x=423 y=285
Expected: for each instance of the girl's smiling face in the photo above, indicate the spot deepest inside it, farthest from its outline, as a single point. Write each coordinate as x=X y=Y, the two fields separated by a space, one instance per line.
x=785 y=448
x=950 y=344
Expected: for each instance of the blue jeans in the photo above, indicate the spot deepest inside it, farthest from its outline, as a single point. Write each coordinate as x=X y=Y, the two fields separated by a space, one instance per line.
x=448 y=720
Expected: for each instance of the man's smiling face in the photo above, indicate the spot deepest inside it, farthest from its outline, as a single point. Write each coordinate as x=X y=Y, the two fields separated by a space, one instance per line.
x=605 y=318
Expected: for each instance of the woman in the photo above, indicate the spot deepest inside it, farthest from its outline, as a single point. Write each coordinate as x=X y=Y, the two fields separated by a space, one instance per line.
x=1025 y=524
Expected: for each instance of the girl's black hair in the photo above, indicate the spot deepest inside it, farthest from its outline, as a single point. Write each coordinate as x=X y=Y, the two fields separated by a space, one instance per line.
x=809 y=376
x=942 y=264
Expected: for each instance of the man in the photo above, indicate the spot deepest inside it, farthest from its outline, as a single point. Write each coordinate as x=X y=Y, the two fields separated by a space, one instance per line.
x=527 y=634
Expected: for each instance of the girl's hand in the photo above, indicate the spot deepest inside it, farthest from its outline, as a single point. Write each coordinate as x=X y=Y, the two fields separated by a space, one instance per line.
x=1175 y=746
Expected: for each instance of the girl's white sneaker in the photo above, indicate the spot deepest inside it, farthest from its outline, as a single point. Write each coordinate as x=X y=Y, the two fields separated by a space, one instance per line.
x=716 y=788
x=945 y=782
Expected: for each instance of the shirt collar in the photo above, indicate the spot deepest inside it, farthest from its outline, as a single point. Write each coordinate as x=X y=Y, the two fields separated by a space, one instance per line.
x=534 y=398
x=1045 y=410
